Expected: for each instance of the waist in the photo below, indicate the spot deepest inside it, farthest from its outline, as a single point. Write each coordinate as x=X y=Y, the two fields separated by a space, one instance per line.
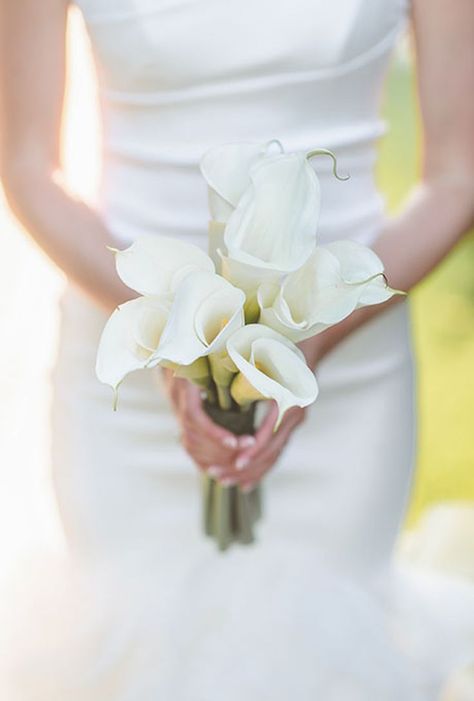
x=171 y=199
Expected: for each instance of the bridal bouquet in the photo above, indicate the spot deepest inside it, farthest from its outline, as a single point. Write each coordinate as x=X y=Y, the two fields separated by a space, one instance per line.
x=229 y=321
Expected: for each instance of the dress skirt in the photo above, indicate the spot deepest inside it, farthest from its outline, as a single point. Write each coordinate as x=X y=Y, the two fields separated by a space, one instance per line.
x=142 y=606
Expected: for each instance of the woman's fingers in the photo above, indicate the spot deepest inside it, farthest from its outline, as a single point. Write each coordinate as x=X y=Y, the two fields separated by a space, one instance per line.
x=197 y=416
x=233 y=460
x=205 y=441
x=262 y=436
x=267 y=458
x=264 y=459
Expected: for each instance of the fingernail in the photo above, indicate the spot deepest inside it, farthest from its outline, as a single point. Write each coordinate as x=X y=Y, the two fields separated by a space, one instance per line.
x=247 y=488
x=214 y=471
x=247 y=441
x=228 y=482
x=230 y=442
x=241 y=463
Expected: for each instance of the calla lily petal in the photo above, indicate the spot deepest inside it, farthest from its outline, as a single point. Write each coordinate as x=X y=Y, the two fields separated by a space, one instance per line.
x=215 y=245
x=273 y=313
x=357 y=262
x=150 y=322
x=129 y=337
x=154 y=265
x=225 y=168
x=335 y=280
x=361 y=265
x=248 y=278
x=241 y=341
x=317 y=293
x=219 y=208
x=308 y=300
x=206 y=309
x=375 y=292
x=273 y=367
x=274 y=224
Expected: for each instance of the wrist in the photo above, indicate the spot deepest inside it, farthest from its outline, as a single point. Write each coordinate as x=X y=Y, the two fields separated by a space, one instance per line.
x=312 y=349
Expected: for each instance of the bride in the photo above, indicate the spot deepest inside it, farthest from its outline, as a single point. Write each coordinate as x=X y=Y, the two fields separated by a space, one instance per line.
x=141 y=606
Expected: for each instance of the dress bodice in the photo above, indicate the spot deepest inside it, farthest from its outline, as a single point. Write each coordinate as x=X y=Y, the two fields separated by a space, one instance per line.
x=177 y=76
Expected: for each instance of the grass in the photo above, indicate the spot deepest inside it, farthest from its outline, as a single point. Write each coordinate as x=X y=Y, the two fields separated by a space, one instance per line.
x=443 y=319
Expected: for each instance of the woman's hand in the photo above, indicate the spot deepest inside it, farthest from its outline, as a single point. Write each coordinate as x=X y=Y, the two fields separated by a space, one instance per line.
x=253 y=462
x=232 y=459
x=207 y=443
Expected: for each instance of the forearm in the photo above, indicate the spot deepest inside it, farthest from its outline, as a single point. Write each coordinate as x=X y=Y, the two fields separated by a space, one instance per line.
x=69 y=232
x=437 y=214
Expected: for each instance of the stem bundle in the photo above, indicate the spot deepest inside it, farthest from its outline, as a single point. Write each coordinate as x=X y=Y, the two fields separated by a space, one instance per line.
x=229 y=515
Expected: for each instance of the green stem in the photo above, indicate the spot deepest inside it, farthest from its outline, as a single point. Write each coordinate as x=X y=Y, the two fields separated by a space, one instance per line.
x=245 y=518
x=223 y=397
x=208 y=485
x=222 y=516
x=229 y=514
x=211 y=394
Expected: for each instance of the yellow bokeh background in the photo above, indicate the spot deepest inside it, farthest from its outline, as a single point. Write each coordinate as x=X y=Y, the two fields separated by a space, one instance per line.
x=442 y=310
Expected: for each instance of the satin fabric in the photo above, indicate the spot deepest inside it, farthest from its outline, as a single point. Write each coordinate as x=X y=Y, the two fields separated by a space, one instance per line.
x=142 y=606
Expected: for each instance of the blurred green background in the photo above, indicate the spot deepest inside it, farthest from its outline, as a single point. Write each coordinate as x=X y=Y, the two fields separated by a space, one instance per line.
x=443 y=320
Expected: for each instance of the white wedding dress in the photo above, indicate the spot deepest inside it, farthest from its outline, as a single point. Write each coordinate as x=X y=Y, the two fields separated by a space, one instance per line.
x=142 y=606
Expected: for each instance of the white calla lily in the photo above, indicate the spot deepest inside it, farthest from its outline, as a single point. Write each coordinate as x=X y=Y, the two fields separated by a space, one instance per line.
x=154 y=265
x=225 y=168
x=337 y=279
x=130 y=337
x=205 y=311
x=197 y=372
x=270 y=366
x=275 y=221
x=215 y=243
x=360 y=265
x=249 y=279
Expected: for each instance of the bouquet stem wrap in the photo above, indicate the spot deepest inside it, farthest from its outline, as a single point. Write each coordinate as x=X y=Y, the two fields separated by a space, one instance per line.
x=229 y=515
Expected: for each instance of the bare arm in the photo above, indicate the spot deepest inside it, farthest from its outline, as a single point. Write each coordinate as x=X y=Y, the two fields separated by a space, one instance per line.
x=32 y=77
x=440 y=209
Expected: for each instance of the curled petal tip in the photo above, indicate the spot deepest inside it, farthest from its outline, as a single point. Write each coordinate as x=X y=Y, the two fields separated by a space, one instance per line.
x=367 y=280
x=327 y=152
x=155 y=359
x=395 y=292
x=274 y=141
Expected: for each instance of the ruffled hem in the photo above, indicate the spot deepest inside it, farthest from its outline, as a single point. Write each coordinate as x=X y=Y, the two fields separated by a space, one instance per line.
x=209 y=629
